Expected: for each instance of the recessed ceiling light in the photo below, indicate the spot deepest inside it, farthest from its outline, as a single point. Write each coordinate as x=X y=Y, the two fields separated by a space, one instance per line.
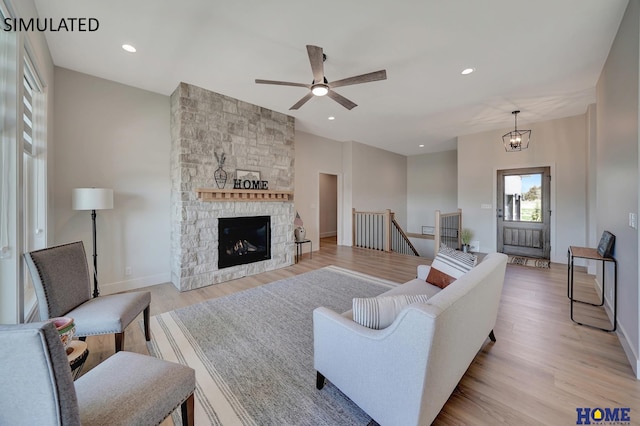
x=467 y=71
x=421 y=145
x=332 y=118
x=129 y=48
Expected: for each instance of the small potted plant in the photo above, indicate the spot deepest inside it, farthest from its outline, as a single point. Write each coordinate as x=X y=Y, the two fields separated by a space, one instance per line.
x=466 y=235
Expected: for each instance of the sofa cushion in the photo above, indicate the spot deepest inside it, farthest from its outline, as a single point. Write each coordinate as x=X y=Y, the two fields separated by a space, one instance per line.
x=415 y=286
x=450 y=265
x=379 y=312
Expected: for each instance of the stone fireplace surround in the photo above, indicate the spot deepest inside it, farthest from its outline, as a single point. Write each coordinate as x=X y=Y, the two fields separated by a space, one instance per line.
x=252 y=138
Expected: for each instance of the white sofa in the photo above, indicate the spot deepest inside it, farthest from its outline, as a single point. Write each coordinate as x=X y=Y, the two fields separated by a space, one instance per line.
x=403 y=375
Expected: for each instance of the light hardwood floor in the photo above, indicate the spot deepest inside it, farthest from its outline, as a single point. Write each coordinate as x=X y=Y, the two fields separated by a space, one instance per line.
x=541 y=369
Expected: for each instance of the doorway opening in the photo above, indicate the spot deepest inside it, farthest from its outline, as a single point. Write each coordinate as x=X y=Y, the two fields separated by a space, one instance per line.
x=524 y=212
x=328 y=224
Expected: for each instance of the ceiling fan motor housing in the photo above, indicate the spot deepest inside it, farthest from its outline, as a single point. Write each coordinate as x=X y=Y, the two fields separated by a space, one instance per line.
x=320 y=85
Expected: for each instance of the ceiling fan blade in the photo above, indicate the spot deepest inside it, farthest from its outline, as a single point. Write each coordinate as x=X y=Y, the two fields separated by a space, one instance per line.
x=317 y=63
x=341 y=100
x=283 y=83
x=363 y=78
x=302 y=101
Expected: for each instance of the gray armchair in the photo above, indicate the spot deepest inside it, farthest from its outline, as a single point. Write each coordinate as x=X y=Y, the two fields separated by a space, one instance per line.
x=126 y=389
x=62 y=284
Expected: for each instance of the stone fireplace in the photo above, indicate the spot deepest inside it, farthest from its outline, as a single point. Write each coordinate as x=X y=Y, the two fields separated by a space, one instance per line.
x=204 y=125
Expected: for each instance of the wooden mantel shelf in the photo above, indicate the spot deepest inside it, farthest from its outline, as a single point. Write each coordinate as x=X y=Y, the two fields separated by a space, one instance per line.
x=211 y=194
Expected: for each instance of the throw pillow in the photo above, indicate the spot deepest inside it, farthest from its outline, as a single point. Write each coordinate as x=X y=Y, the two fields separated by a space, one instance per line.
x=439 y=278
x=380 y=312
x=452 y=263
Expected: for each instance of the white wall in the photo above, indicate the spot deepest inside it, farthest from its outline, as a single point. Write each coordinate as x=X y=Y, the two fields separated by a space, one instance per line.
x=617 y=172
x=379 y=181
x=592 y=173
x=368 y=178
x=560 y=144
x=115 y=136
x=432 y=184
x=316 y=155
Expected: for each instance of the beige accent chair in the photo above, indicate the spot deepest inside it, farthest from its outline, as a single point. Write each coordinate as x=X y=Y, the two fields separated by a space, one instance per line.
x=127 y=389
x=62 y=284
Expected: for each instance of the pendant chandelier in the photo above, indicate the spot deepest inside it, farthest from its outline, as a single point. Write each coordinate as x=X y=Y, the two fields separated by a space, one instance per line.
x=516 y=140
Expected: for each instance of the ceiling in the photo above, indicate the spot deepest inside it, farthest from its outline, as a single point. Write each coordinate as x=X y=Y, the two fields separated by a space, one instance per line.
x=542 y=57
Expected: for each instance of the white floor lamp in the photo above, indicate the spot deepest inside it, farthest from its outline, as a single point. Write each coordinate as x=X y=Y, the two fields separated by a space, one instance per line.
x=93 y=199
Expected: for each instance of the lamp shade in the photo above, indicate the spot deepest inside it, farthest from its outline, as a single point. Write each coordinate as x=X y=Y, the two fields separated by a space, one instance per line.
x=92 y=199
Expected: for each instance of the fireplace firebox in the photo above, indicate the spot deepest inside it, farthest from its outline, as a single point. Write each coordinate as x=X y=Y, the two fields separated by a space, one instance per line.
x=243 y=240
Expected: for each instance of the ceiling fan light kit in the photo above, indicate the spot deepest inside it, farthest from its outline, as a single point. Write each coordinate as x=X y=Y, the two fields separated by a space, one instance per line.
x=516 y=140
x=320 y=89
x=321 y=86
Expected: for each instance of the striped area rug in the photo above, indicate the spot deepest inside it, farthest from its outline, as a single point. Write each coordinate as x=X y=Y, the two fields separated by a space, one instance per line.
x=253 y=351
x=529 y=261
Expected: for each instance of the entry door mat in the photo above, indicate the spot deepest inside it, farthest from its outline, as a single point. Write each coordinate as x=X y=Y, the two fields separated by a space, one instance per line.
x=529 y=261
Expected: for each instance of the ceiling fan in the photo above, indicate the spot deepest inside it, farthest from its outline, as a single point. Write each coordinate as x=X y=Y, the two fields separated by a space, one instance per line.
x=321 y=86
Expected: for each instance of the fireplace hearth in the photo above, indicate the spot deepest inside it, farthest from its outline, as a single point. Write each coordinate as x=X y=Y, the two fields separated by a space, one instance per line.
x=243 y=240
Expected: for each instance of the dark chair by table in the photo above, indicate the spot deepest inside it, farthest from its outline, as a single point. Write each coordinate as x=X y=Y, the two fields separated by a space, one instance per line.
x=126 y=389
x=62 y=284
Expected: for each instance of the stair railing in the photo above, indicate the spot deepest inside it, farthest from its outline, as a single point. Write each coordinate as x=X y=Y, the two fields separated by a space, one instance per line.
x=380 y=231
x=448 y=230
x=400 y=242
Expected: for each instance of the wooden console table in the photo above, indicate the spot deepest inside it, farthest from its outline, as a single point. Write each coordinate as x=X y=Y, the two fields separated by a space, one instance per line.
x=592 y=254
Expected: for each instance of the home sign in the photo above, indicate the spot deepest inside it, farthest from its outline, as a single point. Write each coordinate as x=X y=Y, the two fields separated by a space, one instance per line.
x=250 y=184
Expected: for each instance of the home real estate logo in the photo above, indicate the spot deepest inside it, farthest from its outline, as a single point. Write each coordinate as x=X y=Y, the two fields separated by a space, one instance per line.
x=50 y=24
x=603 y=416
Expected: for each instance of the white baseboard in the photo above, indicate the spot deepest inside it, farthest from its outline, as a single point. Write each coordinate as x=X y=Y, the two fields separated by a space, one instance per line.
x=632 y=356
x=135 y=283
x=328 y=234
x=598 y=288
x=622 y=334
